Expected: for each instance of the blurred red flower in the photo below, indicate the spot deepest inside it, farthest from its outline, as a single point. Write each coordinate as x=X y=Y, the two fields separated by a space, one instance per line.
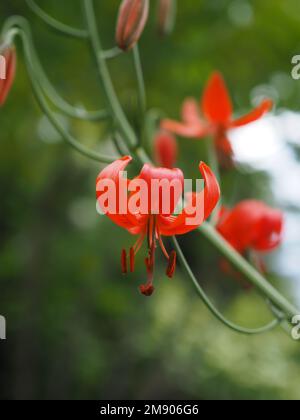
x=165 y=149
x=154 y=226
x=5 y=84
x=251 y=225
x=214 y=117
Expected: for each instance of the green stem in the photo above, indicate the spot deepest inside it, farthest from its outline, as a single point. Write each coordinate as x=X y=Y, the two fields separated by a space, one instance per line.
x=142 y=155
x=254 y=277
x=119 y=145
x=140 y=82
x=51 y=116
x=270 y=326
x=49 y=90
x=104 y=75
x=55 y=24
x=112 y=53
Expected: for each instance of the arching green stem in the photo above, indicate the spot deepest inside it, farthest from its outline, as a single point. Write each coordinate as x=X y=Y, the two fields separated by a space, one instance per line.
x=140 y=84
x=45 y=108
x=55 y=24
x=104 y=75
x=270 y=326
x=254 y=277
x=48 y=88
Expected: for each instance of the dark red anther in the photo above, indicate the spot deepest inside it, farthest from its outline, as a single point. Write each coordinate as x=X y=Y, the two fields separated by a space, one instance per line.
x=172 y=264
x=132 y=259
x=124 y=261
x=147 y=289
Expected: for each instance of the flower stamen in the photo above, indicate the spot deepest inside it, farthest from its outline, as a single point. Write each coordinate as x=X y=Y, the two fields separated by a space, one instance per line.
x=124 y=261
x=132 y=259
x=172 y=264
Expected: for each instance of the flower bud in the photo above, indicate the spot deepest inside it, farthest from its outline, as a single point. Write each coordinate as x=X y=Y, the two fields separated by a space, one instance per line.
x=165 y=149
x=8 y=70
x=133 y=15
x=166 y=16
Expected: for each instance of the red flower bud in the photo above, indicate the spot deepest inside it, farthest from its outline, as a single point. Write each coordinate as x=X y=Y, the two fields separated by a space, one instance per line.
x=165 y=149
x=10 y=59
x=166 y=16
x=133 y=15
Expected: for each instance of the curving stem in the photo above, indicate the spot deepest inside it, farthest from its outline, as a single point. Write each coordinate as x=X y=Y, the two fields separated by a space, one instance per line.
x=104 y=75
x=242 y=265
x=55 y=24
x=62 y=105
x=237 y=328
x=44 y=105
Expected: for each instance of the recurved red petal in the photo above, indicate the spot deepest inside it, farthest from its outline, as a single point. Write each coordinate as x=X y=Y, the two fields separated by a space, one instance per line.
x=216 y=102
x=198 y=208
x=117 y=211
x=192 y=131
x=254 y=115
x=113 y=170
x=211 y=191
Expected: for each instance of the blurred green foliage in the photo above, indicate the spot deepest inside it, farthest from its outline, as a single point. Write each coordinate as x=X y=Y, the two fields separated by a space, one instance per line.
x=76 y=327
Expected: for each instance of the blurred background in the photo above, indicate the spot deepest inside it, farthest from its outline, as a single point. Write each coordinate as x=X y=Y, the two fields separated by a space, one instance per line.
x=77 y=329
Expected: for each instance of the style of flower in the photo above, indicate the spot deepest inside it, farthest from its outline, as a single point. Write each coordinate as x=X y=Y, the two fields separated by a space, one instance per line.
x=10 y=59
x=214 y=117
x=133 y=16
x=153 y=227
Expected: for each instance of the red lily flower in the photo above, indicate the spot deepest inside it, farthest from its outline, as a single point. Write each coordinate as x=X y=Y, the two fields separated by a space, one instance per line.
x=214 y=117
x=133 y=16
x=251 y=225
x=5 y=84
x=165 y=149
x=163 y=223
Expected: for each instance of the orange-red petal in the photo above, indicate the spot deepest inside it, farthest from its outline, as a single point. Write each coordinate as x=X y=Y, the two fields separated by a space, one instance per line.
x=203 y=203
x=191 y=112
x=254 y=115
x=216 y=102
x=112 y=172
x=182 y=129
